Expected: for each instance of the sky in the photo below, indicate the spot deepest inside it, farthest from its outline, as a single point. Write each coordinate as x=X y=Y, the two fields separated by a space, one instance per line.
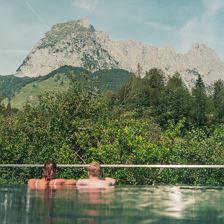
x=176 y=23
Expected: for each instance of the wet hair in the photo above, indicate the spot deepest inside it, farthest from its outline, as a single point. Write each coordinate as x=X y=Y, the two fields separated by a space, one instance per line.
x=95 y=169
x=49 y=170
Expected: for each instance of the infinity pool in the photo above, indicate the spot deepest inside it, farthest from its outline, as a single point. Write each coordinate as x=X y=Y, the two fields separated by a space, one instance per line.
x=121 y=205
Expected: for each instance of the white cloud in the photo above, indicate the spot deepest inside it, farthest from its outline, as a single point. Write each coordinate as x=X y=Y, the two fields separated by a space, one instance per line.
x=160 y=26
x=88 y=5
x=213 y=7
x=202 y=28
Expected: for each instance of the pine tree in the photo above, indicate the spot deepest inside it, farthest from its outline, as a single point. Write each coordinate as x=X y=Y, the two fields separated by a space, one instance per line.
x=199 y=102
x=155 y=82
x=9 y=108
x=139 y=70
x=218 y=99
x=176 y=101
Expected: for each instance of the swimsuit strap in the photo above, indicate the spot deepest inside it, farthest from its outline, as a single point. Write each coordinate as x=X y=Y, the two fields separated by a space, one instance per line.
x=54 y=184
x=36 y=183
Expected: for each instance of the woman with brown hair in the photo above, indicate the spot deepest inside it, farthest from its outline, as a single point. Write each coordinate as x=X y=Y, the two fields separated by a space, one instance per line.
x=49 y=171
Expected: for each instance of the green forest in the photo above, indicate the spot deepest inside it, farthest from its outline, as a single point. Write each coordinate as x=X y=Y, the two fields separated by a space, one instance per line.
x=150 y=120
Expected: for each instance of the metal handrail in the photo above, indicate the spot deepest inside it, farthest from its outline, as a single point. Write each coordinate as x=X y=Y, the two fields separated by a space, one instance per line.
x=177 y=166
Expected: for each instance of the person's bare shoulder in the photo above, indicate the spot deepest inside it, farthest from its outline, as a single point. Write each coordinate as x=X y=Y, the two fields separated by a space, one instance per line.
x=82 y=182
x=111 y=181
x=87 y=183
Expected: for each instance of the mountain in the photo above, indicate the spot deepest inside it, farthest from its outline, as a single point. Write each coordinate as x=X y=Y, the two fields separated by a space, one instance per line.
x=26 y=89
x=72 y=43
x=79 y=44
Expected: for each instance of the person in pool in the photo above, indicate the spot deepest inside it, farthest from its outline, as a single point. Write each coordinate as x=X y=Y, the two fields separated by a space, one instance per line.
x=49 y=171
x=95 y=179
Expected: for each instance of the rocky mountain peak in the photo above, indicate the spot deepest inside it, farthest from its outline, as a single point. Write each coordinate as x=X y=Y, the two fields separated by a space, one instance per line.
x=203 y=49
x=84 y=22
x=78 y=44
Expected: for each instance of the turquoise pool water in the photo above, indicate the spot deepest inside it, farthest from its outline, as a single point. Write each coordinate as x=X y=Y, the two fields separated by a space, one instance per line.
x=121 y=205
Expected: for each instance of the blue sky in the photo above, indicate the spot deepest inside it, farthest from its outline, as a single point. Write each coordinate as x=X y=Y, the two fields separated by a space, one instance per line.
x=176 y=23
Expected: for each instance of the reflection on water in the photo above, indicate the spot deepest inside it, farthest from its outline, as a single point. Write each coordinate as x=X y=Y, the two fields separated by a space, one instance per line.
x=114 y=205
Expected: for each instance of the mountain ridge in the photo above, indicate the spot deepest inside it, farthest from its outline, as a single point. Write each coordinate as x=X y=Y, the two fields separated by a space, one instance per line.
x=79 y=44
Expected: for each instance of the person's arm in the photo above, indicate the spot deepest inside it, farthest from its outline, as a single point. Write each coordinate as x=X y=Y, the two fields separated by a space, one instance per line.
x=82 y=182
x=110 y=180
x=31 y=183
x=70 y=182
x=37 y=183
x=57 y=182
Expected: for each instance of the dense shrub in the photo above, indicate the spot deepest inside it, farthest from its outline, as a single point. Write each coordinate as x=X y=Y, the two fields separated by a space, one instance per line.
x=82 y=125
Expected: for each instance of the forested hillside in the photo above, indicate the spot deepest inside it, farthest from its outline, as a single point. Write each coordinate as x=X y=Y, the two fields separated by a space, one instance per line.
x=10 y=84
x=20 y=90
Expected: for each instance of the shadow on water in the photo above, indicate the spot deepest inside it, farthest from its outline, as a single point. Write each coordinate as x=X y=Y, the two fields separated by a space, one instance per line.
x=114 y=205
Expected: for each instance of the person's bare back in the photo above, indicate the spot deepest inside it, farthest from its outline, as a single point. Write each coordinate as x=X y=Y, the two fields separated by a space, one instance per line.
x=95 y=179
x=49 y=171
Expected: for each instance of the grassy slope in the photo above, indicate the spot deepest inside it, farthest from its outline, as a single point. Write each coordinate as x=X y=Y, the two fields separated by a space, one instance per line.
x=30 y=92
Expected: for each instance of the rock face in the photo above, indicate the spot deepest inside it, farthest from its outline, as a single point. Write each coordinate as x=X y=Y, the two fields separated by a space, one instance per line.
x=77 y=43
